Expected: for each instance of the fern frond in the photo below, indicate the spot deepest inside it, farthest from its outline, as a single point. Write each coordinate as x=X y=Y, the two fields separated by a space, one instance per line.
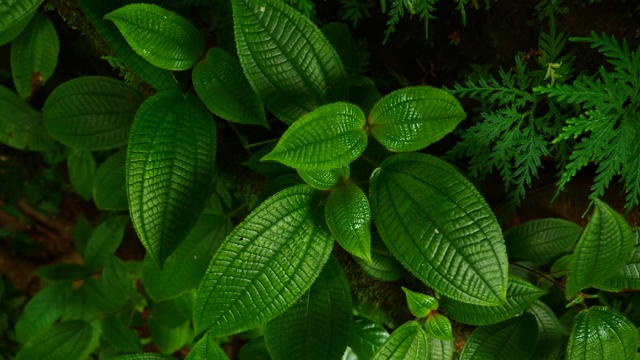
x=619 y=55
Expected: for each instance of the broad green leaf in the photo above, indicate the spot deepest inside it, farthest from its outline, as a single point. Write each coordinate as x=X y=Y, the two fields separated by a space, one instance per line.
x=103 y=300
x=604 y=247
x=170 y=163
x=412 y=118
x=184 y=269
x=119 y=335
x=21 y=127
x=409 y=341
x=419 y=304
x=602 y=333
x=34 y=55
x=440 y=349
x=91 y=112
x=289 y=63
x=118 y=279
x=15 y=28
x=144 y=356
x=541 y=241
x=383 y=266
x=66 y=340
x=162 y=37
x=82 y=170
x=81 y=306
x=15 y=11
x=220 y=83
x=520 y=294
x=325 y=179
x=265 y=265
x=104 y=241
x=366 y=337
x=511 y=339
x=340 y=38
x=628 y=277
x=42 y=311
x=327 y=138
x=439 y=326
x=349 y=219
x=206 y=349
x=109 y=185
x=169 y=340
x=549 y=344
x=440 y=228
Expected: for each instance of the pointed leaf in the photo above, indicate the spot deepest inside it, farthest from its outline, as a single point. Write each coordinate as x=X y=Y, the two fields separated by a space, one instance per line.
x=267 y=263
x=604 y=247
x=439 y=326
x=549 y=343
x=440 y=228
x=520 y=294
x=220 y=83
x=21 y=127
x=541 y=241
x=119 y=336
x=109 y=183
x=349 y=218
x=14 y=11
x=409 y=341
x=419 y=304
x=317 y=325
x=511 y=339
x=327 y=138
x=366 y=337
x=104 y=242
x=66 y=340
x=91 y=112
x=602 y=333
x=628 y=277
x=325 y=179
x=42 y=311
x=170 y=163
x=383 y=265
x=288 y=62
x=205 y=348
x=412 y=118
x=82 y=169
x=162 y=37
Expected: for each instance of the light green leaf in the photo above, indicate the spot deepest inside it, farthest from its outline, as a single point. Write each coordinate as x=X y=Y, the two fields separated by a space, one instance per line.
x=206 y=349
x=15 y=11
x=349 y=218
x=220 y=83
x=602 y=333
x=104 y=241
x=170 y=163
x=21 y=127
x=327 y=138
x=549 y=343
x=16 y=28
x=169 y=340
x=66 y=340
x=604 y=247
x=34 y=55
x=409 y=341
x=162 y=37
x=325 y=179
x=520 y=294
x=542 y=240
x=42 y=311
x=419 y=304
x=366 y=337
x=511 y=339
x=91 y=112
x=317 y=325
x=288 y=62
x=439 y=326
x=440 y=228
x=412 y=118
x=383 y=265
x=119 y=335
x=628 y=277
x=109 y=184
x=184 y=269
x=440 y=349
x=265 y=265
x=82 y=170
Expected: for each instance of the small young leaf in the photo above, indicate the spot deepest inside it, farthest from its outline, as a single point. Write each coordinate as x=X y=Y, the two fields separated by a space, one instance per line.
x=109 y=183
x=349 y=219
x=412 y=118
x=162 y=37
x=602 y=333
x=42 y=311
x=15 y=11
x=549 y=343
x=324 y=179
x=205 y=348
x=383 y=266
x=628 y=277
x=439 y=326
x=104 y=242
x=409 y=341
x=541 y=241
x=419 y=304
x=21 y=127
x=119 y=335
x=82 y=170
x=66 y=340
x=220 y=83
x=366 y=337
x=511 y=339
x=327 y=138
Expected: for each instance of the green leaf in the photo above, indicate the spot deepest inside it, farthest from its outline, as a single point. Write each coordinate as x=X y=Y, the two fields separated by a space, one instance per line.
x=167 y=314
x=42 y=311
x=366 y=337
x=62 y=271
x=542 y=240
x=168 y=340
x=602 y=333
x=82 y=170
x=349 y=218
x=82 y=306
x=119 y=335
x=327 y=138
x=66 y=340
x=419 y=304
x=220 y=83
x=109 y=184
x=21 y=127
x=511 y=339
x=325 y=179
x=144 y=356
x=440 y=228
x=91 y=112
x=288 y=62
x=184 y=269
x=439 y=326
x=628 y=277
x=15 y=28
x=170 y=163
x=440 y=349
x=205 y=348
x=549 y=344
x=409 y=341
x=412 y=118
x=520 y=294
x=15 y=11
x=340 y=38
x=118 y=279
x=34 y=55
x=265 y=265
x=104 y=241
x=604 y=247
x=162 y=37
x=254 y=350
x=103 y=300
x=383 y=265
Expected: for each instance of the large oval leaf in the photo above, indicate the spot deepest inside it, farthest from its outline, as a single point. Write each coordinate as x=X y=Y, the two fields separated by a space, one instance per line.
x=13 y=30
x=91 y=112
x=628 y=277
x=15 y=11
x=604 y=247
x=414 y=117
x=109 y=183
x=440 y=228
x=265 y=264
x=409 y=341
x=162 y=37
x=366 y=337
x=327 y=138
x=289 y=63
x=549 y=344
x=602 y=333
x=317 y=325
x=66 y=340
x=542 y=240
x=325 y=179
x=21 y=127
x=349 y=218
x=511 y=339
x=169 y=169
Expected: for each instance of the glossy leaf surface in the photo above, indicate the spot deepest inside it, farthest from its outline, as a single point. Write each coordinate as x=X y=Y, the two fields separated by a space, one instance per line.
x=109 y=183
x=541 y=241
x=14 y=11
x=66 y=340
x=206 y=349
x=349 y=219
x=549 y=344
x=419 y=304
x=409 y=341
x=412 y=118
x=366 y=337
x=458 y=247
x=439 y=326
x=324 y=179
x=602 y=333
x=511 y=339
x=265 y=264
x=82 y=169
x=628 y=277
x=21 y=127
